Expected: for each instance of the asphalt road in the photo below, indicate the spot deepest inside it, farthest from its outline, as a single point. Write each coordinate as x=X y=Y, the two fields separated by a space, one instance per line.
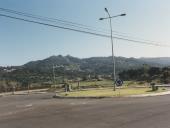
x=42 y=111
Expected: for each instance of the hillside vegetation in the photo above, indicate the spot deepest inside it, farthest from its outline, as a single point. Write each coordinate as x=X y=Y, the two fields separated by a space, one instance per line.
x=41 y=73
x=148 y=74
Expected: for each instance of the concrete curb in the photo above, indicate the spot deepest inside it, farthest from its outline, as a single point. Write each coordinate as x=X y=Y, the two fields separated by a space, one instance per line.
x=88 y=97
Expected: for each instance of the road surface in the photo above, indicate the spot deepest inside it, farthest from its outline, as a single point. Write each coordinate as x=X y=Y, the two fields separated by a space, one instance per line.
x=42 y=111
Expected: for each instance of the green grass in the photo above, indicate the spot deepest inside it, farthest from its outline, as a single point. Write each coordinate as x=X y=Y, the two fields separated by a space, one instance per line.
x=93 y=83
x=105 y=83
x=108 y=92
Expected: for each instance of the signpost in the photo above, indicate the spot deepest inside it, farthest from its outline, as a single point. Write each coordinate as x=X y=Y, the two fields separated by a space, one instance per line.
x=119 y=83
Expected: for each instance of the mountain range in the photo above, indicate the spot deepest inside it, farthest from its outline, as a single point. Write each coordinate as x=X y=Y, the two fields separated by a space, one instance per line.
x=72 y=67
x=99 y=65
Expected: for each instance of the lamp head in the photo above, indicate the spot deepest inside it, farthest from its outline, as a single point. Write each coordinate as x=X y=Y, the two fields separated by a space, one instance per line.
x=100 y=18
x=106 y=9
x=123 y=14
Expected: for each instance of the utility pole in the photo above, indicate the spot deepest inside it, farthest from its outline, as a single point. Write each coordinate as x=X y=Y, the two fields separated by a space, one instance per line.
x=53 y=75
x=28 y=88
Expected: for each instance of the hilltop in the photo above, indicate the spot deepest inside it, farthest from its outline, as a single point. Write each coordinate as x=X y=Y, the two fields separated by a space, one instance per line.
x=99 y=65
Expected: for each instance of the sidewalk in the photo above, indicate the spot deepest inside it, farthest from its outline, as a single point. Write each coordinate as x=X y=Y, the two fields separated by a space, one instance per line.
x=25 y=92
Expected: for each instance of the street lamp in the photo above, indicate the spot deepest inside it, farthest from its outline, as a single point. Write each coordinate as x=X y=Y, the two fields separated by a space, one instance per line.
x=113 y=57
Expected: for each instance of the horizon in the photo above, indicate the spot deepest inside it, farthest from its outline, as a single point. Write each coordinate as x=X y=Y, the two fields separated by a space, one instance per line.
x=80 y=58
x=22 y=42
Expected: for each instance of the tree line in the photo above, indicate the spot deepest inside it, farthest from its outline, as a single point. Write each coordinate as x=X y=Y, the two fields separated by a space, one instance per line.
x=148 y=74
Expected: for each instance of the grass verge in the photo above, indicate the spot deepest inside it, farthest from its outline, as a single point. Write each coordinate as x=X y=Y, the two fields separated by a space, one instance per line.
x=108 y=92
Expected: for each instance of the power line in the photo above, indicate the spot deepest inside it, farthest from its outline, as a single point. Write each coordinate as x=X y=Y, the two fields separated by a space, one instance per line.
x=82 y=31
x=54 y=20
x=72 y=24
x=51 y=25
x=35 y=16
x=64 y=22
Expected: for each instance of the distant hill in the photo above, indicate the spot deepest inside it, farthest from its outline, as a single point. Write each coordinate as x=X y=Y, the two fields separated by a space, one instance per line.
x=164 y=61
x=100 y=65
x=72 y=67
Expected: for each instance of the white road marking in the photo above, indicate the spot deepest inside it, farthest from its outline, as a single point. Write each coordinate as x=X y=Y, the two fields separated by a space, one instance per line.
x=28 y=105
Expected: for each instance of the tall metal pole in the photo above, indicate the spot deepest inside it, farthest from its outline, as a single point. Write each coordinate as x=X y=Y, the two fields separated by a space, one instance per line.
x=113 y=57
x=111 y=36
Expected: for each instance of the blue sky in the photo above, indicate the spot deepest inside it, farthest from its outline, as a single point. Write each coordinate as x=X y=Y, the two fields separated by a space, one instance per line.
x=21 y=42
